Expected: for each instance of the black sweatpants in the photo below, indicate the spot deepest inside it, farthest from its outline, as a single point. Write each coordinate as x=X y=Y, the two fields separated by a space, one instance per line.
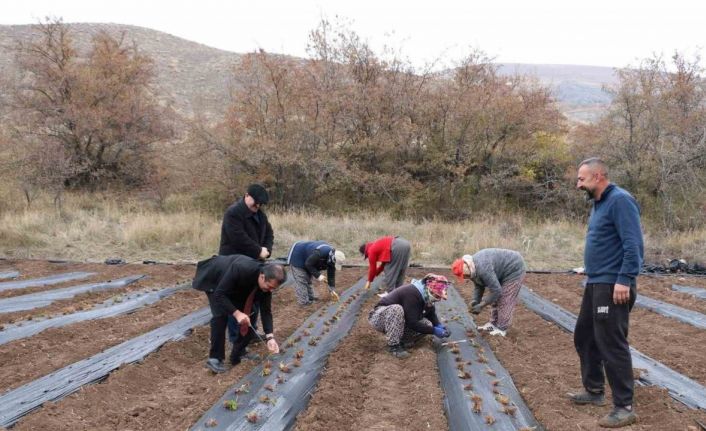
x=601 y=340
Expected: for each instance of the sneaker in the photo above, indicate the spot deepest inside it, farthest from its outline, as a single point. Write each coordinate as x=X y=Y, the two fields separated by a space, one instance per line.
x=498 y=331
x=585 y=397
x=487 y=327
x=399 y=352
x=619 y=417
x=215 y=365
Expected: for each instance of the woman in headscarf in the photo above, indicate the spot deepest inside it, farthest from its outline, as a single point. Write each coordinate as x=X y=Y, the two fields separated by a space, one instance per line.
x=502 y=272
x=408 y=312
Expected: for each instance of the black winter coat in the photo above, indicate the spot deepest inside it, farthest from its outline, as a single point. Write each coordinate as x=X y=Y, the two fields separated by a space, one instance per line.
x=245 y=232
x=231 y=279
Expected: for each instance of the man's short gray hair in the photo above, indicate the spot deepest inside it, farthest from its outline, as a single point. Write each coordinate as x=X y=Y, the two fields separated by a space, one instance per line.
x=596 y=164
x=274 y=271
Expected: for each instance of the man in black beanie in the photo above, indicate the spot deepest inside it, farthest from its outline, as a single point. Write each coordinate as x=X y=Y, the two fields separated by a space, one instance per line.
x=245 y=229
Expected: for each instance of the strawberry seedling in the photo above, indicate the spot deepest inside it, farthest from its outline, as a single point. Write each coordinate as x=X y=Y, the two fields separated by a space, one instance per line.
x=284 y=368
x=464 y=375
x=243 y=389
x=252 y=417
x=509 y=410
x=299 y=354
x=269 y=388
x=297 y=363
x=264 y=399
x=489 y=420
x=210 y=423
x=490 y=371
x=280 y=379
x=231 y=405
x=502 y=399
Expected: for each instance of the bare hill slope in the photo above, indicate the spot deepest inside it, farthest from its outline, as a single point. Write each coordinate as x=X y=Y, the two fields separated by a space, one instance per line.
x=196 y=78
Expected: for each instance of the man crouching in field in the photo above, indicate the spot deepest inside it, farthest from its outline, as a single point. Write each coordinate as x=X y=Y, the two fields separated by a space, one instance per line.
x=233 y=284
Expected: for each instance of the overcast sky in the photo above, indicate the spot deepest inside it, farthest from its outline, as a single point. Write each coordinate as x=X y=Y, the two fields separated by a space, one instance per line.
x=613 y=33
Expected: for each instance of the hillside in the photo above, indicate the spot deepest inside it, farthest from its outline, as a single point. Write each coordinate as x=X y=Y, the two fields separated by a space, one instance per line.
x=196 y=78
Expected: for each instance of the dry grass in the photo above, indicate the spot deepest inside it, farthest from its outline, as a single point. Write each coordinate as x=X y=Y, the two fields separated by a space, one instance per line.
x=95 y=227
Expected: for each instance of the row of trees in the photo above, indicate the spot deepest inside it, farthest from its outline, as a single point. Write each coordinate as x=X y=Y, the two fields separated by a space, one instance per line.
x=654 y=136
x=349 y=128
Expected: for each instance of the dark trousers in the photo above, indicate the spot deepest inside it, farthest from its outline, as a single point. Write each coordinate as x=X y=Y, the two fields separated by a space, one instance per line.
x=219 y=322
x=601 y=340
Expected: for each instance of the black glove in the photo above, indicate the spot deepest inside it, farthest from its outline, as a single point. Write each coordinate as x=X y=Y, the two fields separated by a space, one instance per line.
x=477 y=308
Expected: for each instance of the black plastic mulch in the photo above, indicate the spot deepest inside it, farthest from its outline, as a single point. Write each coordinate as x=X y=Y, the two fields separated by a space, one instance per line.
x=292 y=388
x=18 y=402
x=44 y=281
x=478 y=389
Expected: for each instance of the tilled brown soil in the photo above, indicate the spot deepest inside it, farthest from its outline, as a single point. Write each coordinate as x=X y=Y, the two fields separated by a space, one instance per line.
x=543 y=363
x=158 y=276
x=363 y=387
x=677 y=345
x=171 y=388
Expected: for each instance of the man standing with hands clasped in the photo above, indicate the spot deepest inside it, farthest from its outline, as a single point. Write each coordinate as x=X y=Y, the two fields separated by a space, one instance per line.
x=612 y=258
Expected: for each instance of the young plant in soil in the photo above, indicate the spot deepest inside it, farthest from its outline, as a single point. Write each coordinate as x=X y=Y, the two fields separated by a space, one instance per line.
x=464 y=375
x=210 y=423
x=243 y=389
x=306 y=333
x=489 y=420
x=468 y=387
x=280 y=379
x=284 y=368
x=502 y=399
x=299 y=354
x=264 y=399
x=477 y=403
x=252 y=417
x=509 y=410
x=297 y=363
x=231 y=405
x=269 y=388
x=490 y=371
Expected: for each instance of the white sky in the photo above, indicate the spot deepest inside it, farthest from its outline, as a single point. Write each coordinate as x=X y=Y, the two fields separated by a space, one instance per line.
x=613 y=33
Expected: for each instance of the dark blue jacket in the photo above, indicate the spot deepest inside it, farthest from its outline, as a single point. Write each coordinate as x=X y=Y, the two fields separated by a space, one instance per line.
x=314 y=256
x=614 y=246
